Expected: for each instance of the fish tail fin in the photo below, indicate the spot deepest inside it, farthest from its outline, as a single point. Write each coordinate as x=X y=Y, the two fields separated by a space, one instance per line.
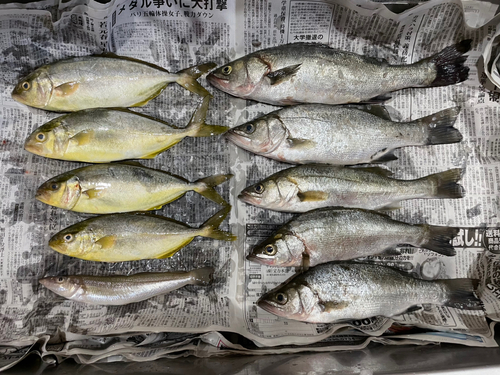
x=460 y=294
x=205 y=187
x=444 y=184
x=188 y=78
x=197 y=126
x=211 y=229
x=439 y=239
x=202 y=276
x=439 y=127
x=449 y=64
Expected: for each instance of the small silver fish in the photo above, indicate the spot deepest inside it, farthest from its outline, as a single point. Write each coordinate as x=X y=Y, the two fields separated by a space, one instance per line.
x=334 y=292
x=122 y=290
x=101 y=82
x=341 y=135
x=315 y=73
x=307 y=187
x=334 y=234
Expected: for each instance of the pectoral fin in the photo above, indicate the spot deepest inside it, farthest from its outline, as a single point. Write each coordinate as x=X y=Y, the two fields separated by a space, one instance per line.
x=107 y=242
x=82 y=138
x=312 y=196
x=297 y=143
x=284 y=74
x=66 y=89
x=332 y=306
x=93 y=193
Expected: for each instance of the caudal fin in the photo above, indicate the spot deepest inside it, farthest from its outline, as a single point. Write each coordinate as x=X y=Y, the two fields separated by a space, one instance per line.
x=211 y=229
x=197 y=126
x=188 y=78
x=444 y=184
x=449 y=64
x=439 y=240
x=205 y=187
x=439 y=127
x=460 y=293
x=202 y=276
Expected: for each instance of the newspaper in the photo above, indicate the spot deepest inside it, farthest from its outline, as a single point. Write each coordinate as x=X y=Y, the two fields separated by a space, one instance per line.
x=176 y=34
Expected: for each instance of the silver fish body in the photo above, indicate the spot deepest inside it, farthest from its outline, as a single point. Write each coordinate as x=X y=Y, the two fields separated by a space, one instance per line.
x=100 y=81
x=307 y=187
x=335 y=234
x=334 y=292
x=122 y=290
x=108 y=188
x=314 y=73
x=316 y=133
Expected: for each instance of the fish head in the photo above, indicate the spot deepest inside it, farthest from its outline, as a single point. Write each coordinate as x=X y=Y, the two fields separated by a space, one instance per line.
x=274 y=193
x=50 y=139
x=261 y=136
x=66 y=286
x=284 y=250
x=35 y=89
x=62 y=191
x=293 y=300
x=239 y=77
x=72 y=241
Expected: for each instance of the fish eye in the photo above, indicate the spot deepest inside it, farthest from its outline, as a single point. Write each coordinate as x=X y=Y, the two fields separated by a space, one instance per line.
x=227 y=70
x=270 y=250
x=25 y=85
x=259 y=188
x=250 y=128
x=54 y=186
x=60 y=279
x=281 y=298
x=40 y=137
x=68 y=237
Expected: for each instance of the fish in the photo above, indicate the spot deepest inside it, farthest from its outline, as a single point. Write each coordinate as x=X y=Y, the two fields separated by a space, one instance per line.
x=122 y=187
x=337 y=234
x=126 y=237
x=101 y=82
x=340 y=135
x=310 y=186
x=103 y=135
x=335 y=292
x=121 y=290
x=315 y=73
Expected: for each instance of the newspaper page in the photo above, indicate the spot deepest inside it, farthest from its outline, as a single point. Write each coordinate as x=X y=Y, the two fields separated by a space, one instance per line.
x=176 y=34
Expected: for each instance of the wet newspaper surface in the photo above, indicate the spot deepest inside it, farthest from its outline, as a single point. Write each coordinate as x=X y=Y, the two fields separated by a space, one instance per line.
x=176 y=34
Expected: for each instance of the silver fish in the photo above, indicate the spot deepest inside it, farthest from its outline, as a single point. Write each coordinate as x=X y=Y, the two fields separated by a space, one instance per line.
x=306 y=187
x=101 y=82
x=105 y=135
x=334 y=292
x=122 y=290
x=334 y=234
x=122 y=187
x=318 y=133
x=314 y=73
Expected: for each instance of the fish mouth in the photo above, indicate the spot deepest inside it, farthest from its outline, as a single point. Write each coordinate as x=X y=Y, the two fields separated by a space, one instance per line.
x=270 y=308
x=248 y=198
x=257 y=259
x=34 y=148
x=217 y=82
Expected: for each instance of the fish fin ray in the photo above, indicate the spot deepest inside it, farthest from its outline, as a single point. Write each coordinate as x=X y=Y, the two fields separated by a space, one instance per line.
x=172 y=252
x=450 y=64
x=83 y=137
x=376 y=110
x=188 y=78
x=66 y=89
x=107 y=242
x=210 y=227
x=439 y=240
x=284 y=74
x=205 y=187
x=440 y=127
x=197 y=126
x=461 y=293
x=93 y=193
x=312 y=196
x=297 y=143
x=377 y=170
